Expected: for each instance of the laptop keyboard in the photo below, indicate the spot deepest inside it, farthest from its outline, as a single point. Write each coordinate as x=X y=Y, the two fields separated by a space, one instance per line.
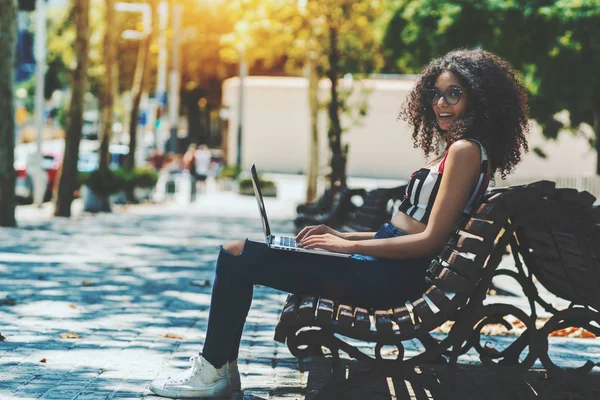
x=287 y=241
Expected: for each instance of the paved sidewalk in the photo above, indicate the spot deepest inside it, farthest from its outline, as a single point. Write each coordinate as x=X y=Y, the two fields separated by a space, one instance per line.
x=134 y=287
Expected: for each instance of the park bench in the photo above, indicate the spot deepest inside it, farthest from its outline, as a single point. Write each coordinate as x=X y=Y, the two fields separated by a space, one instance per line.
x=377 y=207
x=322 y=205
x=553 y=235
x=340 y=206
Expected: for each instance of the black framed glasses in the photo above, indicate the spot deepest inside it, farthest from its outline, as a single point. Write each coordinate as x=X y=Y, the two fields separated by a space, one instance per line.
x=451 y=96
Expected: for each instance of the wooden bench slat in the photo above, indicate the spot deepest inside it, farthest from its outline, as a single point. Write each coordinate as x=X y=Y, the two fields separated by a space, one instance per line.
x=544 y=187
x=537 y=235
x=569 y=195
x=403 y=320
x=438 y=298
x=557 y=286
x=383 y=322
x=306 y=310
x=344 y=315
x=362 y=320
x=594 y=214
x=458 y=263
x=290 y=309
x=450 y=281
x=422 y=310
x=325 y=310
x=549 y=255
x=567 y=242
x=481 y=228
x=540 y=264
x=489 y=212
x=469 y=244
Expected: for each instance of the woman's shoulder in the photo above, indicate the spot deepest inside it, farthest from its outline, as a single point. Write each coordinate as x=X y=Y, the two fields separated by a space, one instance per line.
x=465 y=148
x=464 y=153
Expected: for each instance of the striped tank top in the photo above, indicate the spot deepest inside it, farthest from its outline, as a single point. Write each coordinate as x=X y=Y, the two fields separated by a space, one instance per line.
x=424 y=184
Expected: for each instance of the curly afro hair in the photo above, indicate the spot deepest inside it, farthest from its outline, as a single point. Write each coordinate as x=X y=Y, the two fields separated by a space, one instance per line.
x=496 y=115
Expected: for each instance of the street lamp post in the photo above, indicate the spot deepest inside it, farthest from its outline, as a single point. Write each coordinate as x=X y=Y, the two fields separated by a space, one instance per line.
x=40 y=72
x=146 y=11
x=161 y=83
x=174 y=76
x=242 y=73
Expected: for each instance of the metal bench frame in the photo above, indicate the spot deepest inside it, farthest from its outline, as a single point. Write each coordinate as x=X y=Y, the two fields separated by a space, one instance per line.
x=459 y=280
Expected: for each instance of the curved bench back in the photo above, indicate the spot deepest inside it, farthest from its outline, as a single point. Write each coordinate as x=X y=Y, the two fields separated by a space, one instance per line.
x=559 y=241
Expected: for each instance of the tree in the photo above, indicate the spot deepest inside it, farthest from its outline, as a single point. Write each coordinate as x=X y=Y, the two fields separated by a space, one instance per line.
x=79 y=80
x=140 y=83
x=110 y=84
x=8 y=37
x=344 y=34
x=554 y=45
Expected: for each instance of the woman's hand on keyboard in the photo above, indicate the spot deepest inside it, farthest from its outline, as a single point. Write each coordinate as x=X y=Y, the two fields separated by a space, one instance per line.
x=328 y=242
x=316 y=230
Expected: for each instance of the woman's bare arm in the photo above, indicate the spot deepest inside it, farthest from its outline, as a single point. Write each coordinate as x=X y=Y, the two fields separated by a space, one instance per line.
x=455 y=189
x=358 y=235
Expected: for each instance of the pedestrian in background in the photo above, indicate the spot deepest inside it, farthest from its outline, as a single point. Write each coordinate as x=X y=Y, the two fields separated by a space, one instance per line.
x=203 y=158
x=189 y=168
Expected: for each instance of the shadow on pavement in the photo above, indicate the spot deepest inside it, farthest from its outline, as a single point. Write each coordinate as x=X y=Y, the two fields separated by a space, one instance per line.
x=474 y=382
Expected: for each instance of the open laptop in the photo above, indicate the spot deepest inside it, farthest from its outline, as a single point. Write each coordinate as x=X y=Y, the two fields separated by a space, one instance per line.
x=281 y=242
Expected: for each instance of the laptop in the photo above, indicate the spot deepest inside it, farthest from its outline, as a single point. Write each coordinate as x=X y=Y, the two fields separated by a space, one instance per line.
x=286 y=243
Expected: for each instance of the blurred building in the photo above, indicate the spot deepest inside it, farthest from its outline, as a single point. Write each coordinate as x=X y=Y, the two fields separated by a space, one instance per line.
x=276 y=132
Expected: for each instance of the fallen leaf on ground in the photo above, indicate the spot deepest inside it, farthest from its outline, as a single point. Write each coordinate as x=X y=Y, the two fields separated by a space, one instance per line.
x=43 y=360
x=518 y=327
x=204 y=283
x=69 y=335
x=573 y=332
x=171 y=335
x=72 y=305
x=2 y=338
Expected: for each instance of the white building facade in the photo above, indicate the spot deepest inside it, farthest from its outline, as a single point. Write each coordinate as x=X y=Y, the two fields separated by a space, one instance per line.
x=276 y=133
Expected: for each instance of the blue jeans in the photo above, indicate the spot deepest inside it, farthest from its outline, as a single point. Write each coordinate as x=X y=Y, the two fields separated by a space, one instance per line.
x=364 y=281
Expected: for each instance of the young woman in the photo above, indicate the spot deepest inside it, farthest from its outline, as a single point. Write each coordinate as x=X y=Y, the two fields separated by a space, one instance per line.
x=468 y=103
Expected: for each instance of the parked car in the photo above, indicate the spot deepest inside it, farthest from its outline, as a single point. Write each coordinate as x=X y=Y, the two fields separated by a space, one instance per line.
x=24 y=185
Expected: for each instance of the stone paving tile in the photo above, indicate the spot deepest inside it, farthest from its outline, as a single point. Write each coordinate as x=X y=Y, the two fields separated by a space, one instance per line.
x=124 y=280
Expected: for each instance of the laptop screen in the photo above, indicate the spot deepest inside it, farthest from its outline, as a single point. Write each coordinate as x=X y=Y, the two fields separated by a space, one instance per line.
x=261 y=203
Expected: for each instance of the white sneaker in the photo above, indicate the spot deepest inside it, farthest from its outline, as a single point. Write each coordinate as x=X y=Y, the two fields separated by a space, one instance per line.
x=201 y=380
x=234 y=376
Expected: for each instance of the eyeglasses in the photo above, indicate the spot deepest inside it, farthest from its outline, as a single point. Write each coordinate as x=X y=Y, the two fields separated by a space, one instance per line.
x=451 y=96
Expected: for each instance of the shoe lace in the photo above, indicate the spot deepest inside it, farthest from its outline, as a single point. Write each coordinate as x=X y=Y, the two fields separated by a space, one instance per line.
x=184 y=376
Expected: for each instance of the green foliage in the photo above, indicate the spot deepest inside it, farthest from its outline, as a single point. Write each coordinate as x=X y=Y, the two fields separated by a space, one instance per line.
x=105 y=183
x=144 y=178
x=555 y=45
x=230 y=171
x=117 y=180
x=246 y=183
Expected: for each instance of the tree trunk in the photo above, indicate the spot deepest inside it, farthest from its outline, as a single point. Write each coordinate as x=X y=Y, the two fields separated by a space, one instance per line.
x=338 y=156
x=68 y=177
x=313 y=98
x=597 y=135
x=8 y=37
x=108 y=101
x=140 y=82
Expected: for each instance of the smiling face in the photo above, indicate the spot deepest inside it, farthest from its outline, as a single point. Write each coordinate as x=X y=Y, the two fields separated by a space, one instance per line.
x=450 y=85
